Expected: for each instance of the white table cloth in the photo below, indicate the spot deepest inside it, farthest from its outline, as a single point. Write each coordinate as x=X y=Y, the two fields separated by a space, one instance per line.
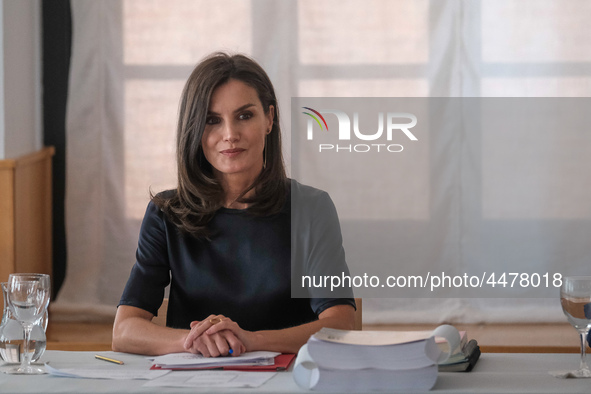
x=494 y=373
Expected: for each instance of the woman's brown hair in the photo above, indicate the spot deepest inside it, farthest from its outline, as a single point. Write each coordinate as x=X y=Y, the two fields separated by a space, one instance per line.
x=199 y=194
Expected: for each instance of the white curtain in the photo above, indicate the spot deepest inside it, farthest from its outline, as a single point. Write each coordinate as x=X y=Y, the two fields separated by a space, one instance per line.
x=131 y=58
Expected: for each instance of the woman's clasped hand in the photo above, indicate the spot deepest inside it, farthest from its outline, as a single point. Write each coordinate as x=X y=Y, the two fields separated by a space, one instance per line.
x=216 y=336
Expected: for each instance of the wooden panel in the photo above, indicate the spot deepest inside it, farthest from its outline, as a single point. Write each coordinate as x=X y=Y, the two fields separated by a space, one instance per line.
x=25 y=214
x=162 y=311
x=6 y=218
x=79 y=346
x=543 y=338
x=65 y=331
x=33 y=212
x=529 y=349
x=359 y=314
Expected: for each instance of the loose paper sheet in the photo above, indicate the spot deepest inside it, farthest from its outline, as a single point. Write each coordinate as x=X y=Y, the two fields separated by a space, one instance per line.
x=120 y=373
x=212 y=379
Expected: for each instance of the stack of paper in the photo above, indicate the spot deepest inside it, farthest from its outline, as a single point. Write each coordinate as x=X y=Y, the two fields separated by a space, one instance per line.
x=337 y=360
x=179 y=361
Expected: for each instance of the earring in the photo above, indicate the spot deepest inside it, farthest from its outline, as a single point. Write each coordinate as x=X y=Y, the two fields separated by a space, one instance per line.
x=265 y=154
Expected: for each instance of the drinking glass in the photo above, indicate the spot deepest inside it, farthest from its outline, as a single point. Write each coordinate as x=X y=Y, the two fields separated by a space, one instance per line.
x=575 y=297
x=28 y=298
x=12 y=334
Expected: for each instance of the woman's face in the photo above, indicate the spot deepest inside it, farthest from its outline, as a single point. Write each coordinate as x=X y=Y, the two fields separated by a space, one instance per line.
x=235 y=131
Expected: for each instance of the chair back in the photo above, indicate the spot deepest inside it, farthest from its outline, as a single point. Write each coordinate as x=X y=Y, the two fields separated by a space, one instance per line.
x=358 y=314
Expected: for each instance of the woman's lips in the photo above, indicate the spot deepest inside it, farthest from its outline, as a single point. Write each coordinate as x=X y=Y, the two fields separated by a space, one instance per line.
x=232 y=152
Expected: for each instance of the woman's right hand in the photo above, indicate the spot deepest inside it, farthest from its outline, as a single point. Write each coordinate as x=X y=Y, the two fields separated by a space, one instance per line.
x=214 y=345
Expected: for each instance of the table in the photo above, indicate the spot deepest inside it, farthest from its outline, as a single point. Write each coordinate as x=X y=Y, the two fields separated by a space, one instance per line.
x=494 y=373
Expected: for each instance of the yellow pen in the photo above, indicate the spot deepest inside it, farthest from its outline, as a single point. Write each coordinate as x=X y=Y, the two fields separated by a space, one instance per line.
x=111 y=360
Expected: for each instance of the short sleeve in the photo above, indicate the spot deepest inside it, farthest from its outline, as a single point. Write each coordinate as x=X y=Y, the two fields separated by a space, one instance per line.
x=151 y=272
x=319 y=305
x=318 y=256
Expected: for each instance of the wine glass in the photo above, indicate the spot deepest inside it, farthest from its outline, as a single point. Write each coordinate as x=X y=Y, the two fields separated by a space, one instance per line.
x=575 y=297
x=28 y=298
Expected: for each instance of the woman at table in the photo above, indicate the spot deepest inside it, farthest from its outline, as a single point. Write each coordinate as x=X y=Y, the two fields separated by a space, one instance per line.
x=222 y=238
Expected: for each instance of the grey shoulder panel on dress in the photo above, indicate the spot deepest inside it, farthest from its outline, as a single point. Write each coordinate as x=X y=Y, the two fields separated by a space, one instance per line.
x=306 y=198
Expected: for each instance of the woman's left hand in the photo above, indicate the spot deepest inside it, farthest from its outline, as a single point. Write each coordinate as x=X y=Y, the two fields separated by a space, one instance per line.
x=215 y=325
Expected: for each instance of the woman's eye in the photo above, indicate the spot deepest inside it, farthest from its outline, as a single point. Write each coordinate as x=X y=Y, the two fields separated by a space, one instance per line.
x=212 y=120
x=245 y=116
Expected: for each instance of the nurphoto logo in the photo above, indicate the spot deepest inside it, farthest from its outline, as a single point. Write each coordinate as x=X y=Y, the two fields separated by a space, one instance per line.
x=396 y=122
